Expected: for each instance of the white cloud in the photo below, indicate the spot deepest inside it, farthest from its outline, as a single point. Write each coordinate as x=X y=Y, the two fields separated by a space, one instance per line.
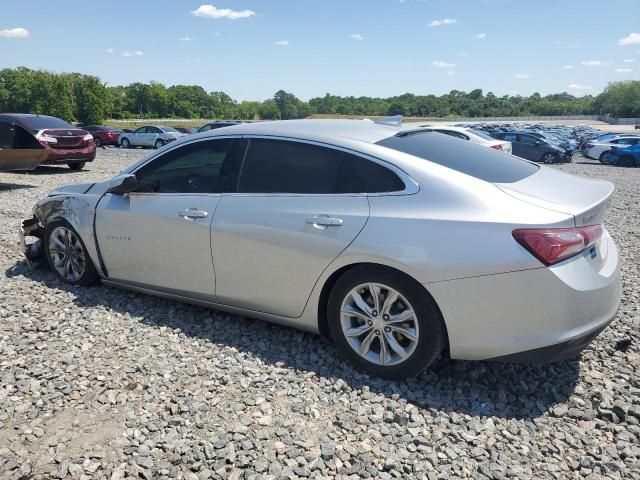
x=187 y=39
x=209 y=11
x=442 y=64
x=568 y=67
x=135 y=53
x=623 y=70
x=629 y=60
x=481 y=35
x=578 y=87
x=592 y=63
x=521 y=76
x=632 y=38
x=444 y=21
x=14 y=33
x=110 y=51
x=282 y=43
x=356 y=36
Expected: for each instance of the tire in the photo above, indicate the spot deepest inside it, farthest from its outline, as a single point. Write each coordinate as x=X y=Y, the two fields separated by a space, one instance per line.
x=549 y=158
x=80 y=269
x=159 y=144
x=602 y=155
x=626 y=161
x=125 y=143
x=98 y=142
x=77 y=166
x=426 y=325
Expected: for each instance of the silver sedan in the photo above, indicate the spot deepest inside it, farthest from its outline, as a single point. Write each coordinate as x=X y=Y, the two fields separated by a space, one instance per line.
x=399 y=243
x=150 y=136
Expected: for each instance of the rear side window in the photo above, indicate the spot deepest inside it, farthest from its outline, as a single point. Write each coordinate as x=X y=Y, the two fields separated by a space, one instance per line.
x=278 y=166
x=466 y=157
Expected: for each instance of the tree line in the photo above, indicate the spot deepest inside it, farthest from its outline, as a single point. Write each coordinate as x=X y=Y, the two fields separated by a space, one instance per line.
x=87 y=100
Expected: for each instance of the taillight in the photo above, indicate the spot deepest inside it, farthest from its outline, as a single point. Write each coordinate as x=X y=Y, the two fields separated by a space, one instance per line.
x=45 y=139
x=497 y=147
x=87 y=138
x=553 y=245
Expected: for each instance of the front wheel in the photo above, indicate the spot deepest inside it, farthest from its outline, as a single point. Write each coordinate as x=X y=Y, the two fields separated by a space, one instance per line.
x=385 y=323
x=67 y=255
x=125 y=143
x=549 y=158
x=77 y=166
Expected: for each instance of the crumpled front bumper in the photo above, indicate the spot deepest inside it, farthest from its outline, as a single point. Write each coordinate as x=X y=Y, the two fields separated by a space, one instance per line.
x=32 y=251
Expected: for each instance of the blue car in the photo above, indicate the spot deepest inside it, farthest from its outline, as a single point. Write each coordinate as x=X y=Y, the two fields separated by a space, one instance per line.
x=628 y=156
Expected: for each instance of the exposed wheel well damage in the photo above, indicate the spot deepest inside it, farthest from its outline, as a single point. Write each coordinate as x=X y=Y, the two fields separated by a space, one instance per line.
x=323 y=321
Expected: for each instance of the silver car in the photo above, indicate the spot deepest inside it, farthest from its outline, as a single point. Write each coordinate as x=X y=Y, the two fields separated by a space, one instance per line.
x=400 y=244
x=150 y=136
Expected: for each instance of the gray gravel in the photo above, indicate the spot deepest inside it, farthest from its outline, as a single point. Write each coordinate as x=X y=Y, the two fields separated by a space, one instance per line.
x=102 y=383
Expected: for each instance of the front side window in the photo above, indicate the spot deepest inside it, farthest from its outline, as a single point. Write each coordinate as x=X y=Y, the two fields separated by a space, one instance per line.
x=140 y=130
x=528 y=139
x=193 y=168
x=278 y=166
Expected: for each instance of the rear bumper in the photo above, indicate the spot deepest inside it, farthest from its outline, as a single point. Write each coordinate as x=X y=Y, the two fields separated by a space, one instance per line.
x=543 y=314
x=71 y=155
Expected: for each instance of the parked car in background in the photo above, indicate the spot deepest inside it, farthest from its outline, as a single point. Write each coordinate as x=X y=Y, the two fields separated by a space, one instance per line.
x=19 y=149
x=218 y=124
x=533 y=148
x=623 y=155
x=398 y=244
x=103 y=135
x=475 y=136
x=150 y=136
x=597 y=149
x=65 y=143
x=187 y=130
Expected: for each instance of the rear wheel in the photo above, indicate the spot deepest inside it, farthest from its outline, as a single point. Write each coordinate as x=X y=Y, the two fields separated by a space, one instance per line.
x=550 y=158
x=98 y=142
x=125 y=143
x=67 y=255
x=159 y=144
x=626 y=161
x=384 y=322
x=76 y=165
x=602 y=156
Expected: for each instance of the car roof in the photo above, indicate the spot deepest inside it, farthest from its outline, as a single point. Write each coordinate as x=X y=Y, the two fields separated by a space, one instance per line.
x=361 y=130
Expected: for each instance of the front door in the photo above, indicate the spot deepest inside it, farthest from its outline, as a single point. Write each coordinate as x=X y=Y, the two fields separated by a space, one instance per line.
x=288 y=220
x=160 y=235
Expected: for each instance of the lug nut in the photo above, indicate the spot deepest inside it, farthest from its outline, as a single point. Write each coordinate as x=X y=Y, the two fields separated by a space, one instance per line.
x=387 y=329
x=374 y=313
x=369 y=322
x=377 y=332
x=385 y=317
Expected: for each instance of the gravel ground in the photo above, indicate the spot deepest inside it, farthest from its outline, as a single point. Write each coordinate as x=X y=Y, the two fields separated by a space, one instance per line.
x=102 y=383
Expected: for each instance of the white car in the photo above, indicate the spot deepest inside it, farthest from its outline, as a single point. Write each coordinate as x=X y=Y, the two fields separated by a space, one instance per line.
x=473 y=135
x=150 y=136
x=598 y=149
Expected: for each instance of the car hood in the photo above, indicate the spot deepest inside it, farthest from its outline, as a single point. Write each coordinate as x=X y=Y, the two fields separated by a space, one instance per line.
x=81 y=187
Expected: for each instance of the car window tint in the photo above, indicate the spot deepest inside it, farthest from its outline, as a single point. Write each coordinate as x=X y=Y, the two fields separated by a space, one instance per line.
x=277 y=166
x=528 y=139
x=509 y=137
x=192 y=168
x=466 y=157
x=451 y=133
x=7 y=136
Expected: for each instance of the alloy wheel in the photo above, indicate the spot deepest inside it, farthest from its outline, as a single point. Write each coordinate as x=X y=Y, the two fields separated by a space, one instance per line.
x=379 y=324
x=67 y=254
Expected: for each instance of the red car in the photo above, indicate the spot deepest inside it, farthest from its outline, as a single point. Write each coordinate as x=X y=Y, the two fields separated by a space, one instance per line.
x=103 y=135
x=65 y=143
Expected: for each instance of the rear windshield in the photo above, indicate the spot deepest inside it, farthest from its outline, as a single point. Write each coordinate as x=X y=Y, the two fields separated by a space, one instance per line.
x=481 y=162
x=168 y=129
x=481 y=134
x=39 y=123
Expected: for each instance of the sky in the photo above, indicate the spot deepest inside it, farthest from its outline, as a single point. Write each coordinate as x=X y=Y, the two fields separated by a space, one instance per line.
x=252 y=48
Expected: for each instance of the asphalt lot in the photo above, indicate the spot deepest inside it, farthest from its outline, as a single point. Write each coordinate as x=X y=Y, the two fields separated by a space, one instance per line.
x=102 y=383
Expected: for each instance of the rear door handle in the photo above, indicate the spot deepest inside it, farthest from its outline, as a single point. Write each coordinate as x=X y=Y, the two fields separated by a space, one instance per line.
x=193 y=213
x=325 y=221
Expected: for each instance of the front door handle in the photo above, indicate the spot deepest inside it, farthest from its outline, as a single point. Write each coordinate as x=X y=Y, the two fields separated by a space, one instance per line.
x=325 y=221
x=193 y=213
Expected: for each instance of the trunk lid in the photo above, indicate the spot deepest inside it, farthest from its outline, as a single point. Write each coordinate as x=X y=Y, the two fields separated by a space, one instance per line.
x=66 y=138
x=586 y=200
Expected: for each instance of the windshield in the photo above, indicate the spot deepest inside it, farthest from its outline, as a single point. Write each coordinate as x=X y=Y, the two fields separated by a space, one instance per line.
x=466 y=157
x=481 y=134
x=40 y=123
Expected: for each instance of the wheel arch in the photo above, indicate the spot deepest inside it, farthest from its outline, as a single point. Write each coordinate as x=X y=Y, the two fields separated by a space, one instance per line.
x=325 y=291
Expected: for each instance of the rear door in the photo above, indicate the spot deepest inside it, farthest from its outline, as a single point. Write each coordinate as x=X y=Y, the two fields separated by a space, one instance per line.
x=138 y=137
x=296 y=207
x=530 y=147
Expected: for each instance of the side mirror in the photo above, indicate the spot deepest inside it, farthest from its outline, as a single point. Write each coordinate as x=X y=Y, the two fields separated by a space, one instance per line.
x=122 y=184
